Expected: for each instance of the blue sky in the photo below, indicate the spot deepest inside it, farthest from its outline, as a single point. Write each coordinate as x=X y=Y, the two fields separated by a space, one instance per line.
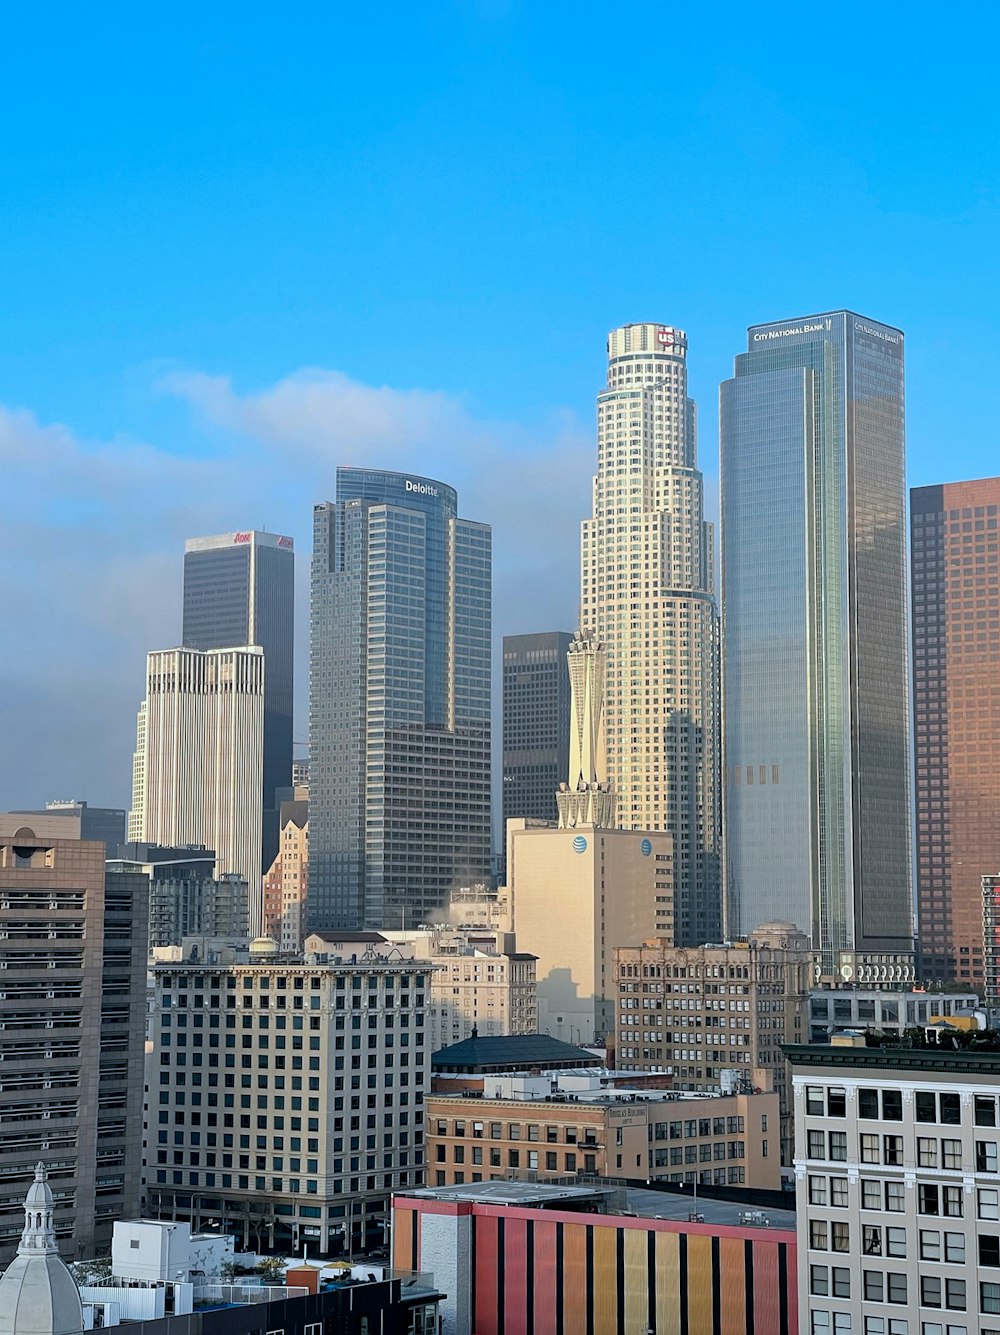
x=242 y=244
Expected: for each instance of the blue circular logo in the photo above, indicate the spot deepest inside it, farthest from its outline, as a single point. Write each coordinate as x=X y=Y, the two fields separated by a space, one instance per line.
x=645 y=848
x=579 y=844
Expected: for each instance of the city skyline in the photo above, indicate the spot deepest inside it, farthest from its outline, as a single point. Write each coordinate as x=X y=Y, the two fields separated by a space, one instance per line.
x=310 y=260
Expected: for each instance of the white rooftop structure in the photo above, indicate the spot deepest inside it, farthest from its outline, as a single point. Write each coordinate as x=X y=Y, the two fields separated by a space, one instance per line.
x=38 y=1295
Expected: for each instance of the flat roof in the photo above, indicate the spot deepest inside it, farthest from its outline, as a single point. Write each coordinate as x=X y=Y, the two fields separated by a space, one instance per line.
x=892 y=1058
x=509 y=1193
x=651 y=1204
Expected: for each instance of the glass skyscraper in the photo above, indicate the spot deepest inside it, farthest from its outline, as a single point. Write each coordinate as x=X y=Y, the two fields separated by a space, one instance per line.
x=817 y=828
x=535 y=723
x=399 y=701
x=647 y=573
x=239 y=589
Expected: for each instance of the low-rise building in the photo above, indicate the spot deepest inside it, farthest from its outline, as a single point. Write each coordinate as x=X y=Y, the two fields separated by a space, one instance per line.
x=897 y=1178
x=286 y=1096
x=707 y=1012
x=888 y=1011
x=555 y=1259
x=480 y=981
x=557 y=1124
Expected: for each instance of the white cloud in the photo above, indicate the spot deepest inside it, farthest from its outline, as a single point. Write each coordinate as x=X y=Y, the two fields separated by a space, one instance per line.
x=93 y=532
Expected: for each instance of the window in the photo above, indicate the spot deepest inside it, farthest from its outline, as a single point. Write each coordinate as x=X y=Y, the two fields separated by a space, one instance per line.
x=838 y=1192
x=954 y=1248
x=989 y=1296
x=895 y=1199
x=930 y=1291
x=871 y=1193
x=869 y=1149
x=985 y=1110
x=930 y=1244
x=874 y=1286
x=951 y=1153
x=895 y=1242
x=954 y=1295
x=925 y=1108
x=989 y=1249
x=927 y=1152
x=817 y=1190
x=892 y=1105
x=819 y=1281
x=840 y=1237
x=871 y=1240
x=838 y=1146
x=815 y=1103
x=892 y=1150
x=896 y=1287
x=986 y=1156
x=816 y=1148
x=929 y=1198
x=818 y=1235
x=836 y=1102
x=989 y=1203
x=952 y=1198
x=840 y=1281
x=868 y=1103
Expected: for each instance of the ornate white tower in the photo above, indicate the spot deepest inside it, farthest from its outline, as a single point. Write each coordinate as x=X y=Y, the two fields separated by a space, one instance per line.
x=587 y=799
x=38 y=1295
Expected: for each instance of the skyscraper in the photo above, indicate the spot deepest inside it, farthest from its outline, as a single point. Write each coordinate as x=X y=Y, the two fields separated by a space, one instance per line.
x=814 y=648
x=399 y=701
x=239 y=588
x=73 y=957
x=956 y=717
x=647 y=593
x=199 y=759
x=535 y=723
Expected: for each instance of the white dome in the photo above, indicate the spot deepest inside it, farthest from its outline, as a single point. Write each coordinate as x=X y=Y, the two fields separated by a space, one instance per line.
x=38 y=1296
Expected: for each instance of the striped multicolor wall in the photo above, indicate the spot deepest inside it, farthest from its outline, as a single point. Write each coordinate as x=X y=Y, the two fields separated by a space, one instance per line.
x=547 y=1272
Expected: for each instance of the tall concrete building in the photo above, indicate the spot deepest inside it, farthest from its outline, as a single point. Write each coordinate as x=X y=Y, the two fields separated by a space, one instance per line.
x=399 y=701
x=239 y=589
x=288 y=1091
x=186 y=898
x=955 y=562
x=72 y=1032
x=199 y=759
x=647 y=592
x=535 y=723
x=814 y=613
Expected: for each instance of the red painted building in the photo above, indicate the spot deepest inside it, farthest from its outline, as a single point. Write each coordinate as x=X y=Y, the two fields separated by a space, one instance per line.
x=536 y=1270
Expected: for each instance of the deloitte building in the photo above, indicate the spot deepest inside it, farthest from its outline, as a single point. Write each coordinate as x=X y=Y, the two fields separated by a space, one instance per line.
x=399 y=701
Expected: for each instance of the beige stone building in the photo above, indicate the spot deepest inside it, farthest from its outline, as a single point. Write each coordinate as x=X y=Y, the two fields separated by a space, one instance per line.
x=288 y=1091
x=286 y=884
x=716 y=1012
x=576 y=894
x=553 y=1125
x=897 y=1180
x=72 y=1031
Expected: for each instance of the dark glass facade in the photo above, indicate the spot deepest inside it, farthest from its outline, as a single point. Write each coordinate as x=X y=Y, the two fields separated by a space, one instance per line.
x=536 y=698
x=817 y=825
x=955 y=565
x=239 y=589
x=399 y=701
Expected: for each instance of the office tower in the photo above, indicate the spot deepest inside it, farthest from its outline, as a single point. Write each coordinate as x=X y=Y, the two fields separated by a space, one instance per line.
x=535 y=723
x=340 y=1068
x=718 y=1012
x=72 y=1032
x=647 y=592
x=814 y=652
x=186 y=897
x=199 y=758
x=955 y=565
x=286 y=885
x=399 y=701
x=581 y=888
x=239 y=589
x=896 y=1186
